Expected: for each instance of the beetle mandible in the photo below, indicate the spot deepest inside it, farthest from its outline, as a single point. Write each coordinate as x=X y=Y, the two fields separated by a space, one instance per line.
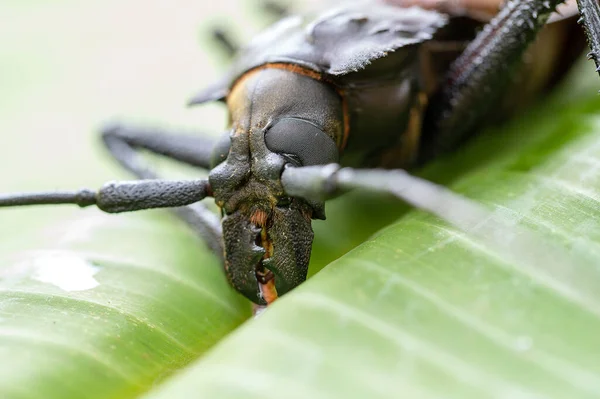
x=362 y=85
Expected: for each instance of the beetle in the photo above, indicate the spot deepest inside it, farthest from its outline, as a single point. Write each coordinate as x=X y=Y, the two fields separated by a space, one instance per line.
x=363 y=85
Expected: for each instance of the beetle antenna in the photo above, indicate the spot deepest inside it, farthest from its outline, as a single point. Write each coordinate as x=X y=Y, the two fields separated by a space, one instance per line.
x=501 y=235
x=116 y=197
x=323 y=182
x=82 y=198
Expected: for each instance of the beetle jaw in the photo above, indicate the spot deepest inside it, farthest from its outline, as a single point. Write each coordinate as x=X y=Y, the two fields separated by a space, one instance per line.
x=267 y=252
x=267 y=235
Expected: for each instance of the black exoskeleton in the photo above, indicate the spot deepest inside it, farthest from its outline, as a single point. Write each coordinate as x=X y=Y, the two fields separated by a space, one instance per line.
x=362 y=85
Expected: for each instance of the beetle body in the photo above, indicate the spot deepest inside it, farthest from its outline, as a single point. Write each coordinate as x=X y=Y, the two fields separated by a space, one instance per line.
x=384 y=63
x=349 y=86
x=367 y=55
x=362 y=85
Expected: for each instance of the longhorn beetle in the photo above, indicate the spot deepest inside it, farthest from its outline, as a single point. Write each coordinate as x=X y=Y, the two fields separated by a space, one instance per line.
x=362 y=85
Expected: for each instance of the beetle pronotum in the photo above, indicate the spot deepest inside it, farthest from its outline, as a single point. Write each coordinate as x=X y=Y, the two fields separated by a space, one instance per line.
x=357 y=86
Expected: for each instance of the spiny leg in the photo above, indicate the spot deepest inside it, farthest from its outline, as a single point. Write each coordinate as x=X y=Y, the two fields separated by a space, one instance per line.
x=590 y=18
x=478 y=78
x=123 y=143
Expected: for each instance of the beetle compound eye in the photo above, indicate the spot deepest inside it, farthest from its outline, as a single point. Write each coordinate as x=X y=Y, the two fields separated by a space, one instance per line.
x=220 y=150
x=300 y=138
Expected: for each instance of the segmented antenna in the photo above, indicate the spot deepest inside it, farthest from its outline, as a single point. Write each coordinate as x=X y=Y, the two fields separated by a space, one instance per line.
x=125 y=196
x=82 y=198
x=517 y=243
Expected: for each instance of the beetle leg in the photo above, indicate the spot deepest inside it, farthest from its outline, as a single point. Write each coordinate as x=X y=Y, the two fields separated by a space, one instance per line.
x=191 y=149
x=479 y=77
x=590 y=18
x=224 y=38
x=225 y=41
x=123 y=142
x=275 y=8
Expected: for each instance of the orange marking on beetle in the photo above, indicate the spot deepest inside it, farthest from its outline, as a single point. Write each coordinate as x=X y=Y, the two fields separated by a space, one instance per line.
x=268 y=292
x=259 y=218
x=287 y=67
x=300 y=70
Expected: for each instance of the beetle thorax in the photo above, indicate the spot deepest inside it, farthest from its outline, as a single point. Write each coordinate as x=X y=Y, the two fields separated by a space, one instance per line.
x=277 y=91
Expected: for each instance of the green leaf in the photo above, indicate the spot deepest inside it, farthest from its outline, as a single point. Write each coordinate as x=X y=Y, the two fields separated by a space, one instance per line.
x=103 y=306
x=106 y=307
x=422 y=310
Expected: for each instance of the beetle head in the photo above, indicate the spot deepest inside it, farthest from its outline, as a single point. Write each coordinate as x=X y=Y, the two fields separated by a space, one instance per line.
x=267 y=234
x=279 y=119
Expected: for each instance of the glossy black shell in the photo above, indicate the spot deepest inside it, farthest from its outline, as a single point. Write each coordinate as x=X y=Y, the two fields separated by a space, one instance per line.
x=366 y=50
x=335 y=43
x=342 y=40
